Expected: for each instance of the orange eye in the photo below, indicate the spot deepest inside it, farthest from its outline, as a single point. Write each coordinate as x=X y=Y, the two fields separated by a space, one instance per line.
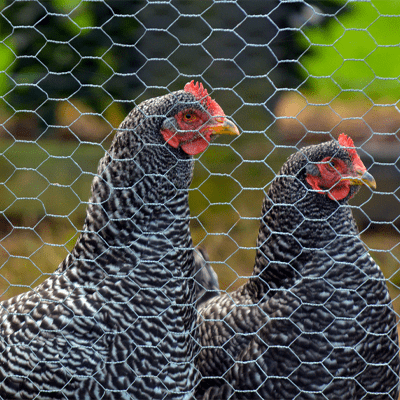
x=331 y=164
x=189 y=117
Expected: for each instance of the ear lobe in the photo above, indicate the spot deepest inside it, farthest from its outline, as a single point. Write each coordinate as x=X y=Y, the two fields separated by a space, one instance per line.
x=170 y=137
x=169 y=124
x=168 y=131
x=312 y=169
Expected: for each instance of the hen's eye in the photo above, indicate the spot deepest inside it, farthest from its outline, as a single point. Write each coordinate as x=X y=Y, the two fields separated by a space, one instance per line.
x=331 y=165
x=189 y=116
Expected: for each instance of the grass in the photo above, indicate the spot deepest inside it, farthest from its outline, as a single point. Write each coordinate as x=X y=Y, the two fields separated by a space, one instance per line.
x=45 y=187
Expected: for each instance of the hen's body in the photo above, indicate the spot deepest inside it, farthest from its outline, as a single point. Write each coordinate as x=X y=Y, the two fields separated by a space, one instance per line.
x=315 y=321
x=207 y=285
x=116 y=319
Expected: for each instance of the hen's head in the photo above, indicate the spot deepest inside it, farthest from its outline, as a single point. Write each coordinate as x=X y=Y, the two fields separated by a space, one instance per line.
x=194 y=119
x=335 y=169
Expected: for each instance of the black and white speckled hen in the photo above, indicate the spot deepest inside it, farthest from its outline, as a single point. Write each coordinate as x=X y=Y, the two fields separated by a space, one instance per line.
x=116 y=319
x=207 y=285
x=315 y=320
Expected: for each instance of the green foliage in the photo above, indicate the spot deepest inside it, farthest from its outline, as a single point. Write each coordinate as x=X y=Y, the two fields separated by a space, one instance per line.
x=100 y=53
x=66 y=50
x=357 y=51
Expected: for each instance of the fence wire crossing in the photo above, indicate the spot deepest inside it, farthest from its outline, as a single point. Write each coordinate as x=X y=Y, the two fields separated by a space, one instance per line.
x=288 y=74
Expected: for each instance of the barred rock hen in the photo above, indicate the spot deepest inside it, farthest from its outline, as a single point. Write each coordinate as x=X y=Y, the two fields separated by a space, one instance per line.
x=315 y=320
x=207 y=285
x=116 y=319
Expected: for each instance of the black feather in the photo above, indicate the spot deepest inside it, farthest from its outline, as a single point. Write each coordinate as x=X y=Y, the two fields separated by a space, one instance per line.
x=115 y=321
x=207 y=285
x=315 y=320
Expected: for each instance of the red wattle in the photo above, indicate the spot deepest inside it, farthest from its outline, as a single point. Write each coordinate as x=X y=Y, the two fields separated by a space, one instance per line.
x=195 y=147
x=339 y=192
x=188 y=145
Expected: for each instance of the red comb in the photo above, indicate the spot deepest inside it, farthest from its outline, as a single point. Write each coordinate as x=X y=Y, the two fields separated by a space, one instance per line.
x=347 y=141
x=201 y=95
x=198 y=91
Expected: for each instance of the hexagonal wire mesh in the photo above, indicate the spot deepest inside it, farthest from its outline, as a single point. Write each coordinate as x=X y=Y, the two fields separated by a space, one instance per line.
x=289 y=73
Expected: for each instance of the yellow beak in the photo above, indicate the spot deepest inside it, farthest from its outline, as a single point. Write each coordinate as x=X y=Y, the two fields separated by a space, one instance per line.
x=363 y=178
x=222 y=126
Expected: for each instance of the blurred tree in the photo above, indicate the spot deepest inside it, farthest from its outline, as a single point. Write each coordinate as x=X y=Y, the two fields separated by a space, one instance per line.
x=102 y=52
x=63 y=50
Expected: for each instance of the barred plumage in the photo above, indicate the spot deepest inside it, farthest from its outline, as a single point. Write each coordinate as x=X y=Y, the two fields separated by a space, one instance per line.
x=207 y=285
x=315 y=320
x=117 y=318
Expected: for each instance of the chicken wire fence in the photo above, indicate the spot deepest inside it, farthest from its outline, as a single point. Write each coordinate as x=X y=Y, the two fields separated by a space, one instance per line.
x=289 y=73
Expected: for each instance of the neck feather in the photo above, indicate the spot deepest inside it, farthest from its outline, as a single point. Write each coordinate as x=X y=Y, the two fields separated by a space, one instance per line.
x=138 y=210
x=295 y=224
